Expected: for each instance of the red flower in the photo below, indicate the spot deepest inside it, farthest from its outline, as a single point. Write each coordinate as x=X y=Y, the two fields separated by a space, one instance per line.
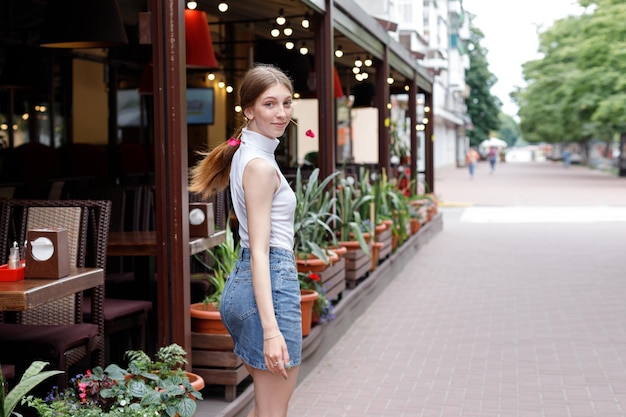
x=310 y=133
x=314 y=277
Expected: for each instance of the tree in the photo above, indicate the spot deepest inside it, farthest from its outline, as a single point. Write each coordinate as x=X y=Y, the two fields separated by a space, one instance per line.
x=576 y=91
x=509 y=130
x=482 y=106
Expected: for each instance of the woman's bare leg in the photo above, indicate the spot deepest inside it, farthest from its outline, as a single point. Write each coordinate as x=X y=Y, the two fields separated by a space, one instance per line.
x=272 y=392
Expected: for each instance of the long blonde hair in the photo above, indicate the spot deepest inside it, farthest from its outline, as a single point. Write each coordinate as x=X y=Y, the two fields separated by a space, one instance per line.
x=211 y=174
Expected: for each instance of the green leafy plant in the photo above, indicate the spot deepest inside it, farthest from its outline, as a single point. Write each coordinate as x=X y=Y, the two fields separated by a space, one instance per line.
x=224 y=257
x=147 y=387
x=314 y=216
x=350 y=201
x=33 y=376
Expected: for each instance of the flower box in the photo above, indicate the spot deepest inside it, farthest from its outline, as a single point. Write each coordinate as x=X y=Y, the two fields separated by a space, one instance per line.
x=213 y=359
x=358 y=265
x=333 y=279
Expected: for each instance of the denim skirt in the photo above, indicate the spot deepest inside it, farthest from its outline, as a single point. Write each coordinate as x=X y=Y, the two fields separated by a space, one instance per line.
x=240 y=314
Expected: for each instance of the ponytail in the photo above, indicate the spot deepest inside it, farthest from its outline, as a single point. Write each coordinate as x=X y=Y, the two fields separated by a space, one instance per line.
x=211 y=175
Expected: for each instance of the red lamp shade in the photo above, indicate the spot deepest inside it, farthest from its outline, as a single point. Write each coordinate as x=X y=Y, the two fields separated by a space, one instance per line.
x=337 y=87
x=200 y=53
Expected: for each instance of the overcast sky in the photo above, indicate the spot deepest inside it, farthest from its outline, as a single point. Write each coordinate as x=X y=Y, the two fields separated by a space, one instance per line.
x=510 y=29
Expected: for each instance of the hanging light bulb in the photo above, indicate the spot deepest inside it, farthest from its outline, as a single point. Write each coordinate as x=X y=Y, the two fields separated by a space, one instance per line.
x=221 y=84
x=303 y=49
x=229 y=89
x=192 y=5
x=238 y=108
x=275 y=32
x=368 y=61
x=358 y=62
x=211 y=76
x=222 y=7
x=280 y=19
x=306 y=22
x=358 y=77
x=289 y=45
x=356 y=70
x=288 y=30
x=406 y=88
x=296 y=95
x=390 y=80
x=365 y=75
x=339 y=52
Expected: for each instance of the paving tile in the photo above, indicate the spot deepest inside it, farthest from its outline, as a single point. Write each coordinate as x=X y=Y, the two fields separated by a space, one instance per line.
x=493 y=319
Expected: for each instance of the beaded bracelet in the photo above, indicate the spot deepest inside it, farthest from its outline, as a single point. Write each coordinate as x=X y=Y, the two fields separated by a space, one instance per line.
x=272 y=337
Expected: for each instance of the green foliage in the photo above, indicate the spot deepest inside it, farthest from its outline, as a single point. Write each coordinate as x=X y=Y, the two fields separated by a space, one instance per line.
x=147 y=388
x=314 y=215
x=350 y=201
x=575 y=92
x=224 y=257
x=31 y=378
x=482 y=106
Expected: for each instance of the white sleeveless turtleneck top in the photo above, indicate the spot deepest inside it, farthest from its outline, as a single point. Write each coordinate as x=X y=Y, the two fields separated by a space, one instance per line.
x=254 y=145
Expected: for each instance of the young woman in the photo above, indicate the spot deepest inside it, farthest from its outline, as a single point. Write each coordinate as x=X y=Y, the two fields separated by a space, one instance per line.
x=260 y=304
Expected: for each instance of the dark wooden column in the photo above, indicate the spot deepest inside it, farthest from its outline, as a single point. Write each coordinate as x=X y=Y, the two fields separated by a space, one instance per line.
x=429 y=132
x=413 y=138
x=326 y=99
x=380 y=102
x=172 y=199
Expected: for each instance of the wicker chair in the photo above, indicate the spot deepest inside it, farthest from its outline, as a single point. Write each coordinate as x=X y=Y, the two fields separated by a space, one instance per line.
x=56 y=332
x=125 y=316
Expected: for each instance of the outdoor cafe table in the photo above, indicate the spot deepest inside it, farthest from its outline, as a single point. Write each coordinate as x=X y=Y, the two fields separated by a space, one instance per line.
x=144 y=243
x=32 y=292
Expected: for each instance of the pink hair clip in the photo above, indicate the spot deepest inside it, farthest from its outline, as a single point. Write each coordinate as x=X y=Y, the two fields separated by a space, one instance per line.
x=234 y=142
x=310 y=133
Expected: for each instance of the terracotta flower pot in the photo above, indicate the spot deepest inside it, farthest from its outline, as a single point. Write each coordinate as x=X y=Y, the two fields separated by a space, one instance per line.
x=415 y=226
x=307 y=300
x=205 y=318
x=315 y=264
x=376 y=247
x=339 y=251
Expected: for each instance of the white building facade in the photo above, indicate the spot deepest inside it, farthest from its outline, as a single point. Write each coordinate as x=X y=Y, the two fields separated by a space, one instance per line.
x=435 y=32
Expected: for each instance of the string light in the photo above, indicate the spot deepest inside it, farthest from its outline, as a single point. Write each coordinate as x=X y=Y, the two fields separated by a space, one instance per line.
x=306 y=23
x=289 y=45
x=280 y=19
x=192 y=5
x=222 y=7
x=339 y=52
x=303 y=49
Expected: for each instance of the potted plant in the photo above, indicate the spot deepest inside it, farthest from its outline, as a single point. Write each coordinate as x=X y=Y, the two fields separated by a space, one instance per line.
x=33 y=376
x=352 y=227
x=205 y=316
x=147 y=387
x=313 y=220
x=322 y=307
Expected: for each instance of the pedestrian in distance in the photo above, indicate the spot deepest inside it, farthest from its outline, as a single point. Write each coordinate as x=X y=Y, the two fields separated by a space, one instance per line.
x=260 y=305
x=493 y=157
x=471 y=157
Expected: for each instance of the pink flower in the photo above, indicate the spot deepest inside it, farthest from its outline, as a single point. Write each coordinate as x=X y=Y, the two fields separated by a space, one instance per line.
x=310 y=133
x=234 y=142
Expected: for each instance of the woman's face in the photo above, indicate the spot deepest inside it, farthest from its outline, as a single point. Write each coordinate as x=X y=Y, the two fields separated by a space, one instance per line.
x=271 y=112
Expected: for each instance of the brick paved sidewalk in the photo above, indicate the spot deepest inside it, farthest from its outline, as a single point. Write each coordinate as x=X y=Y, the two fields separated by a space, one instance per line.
x=493 y=319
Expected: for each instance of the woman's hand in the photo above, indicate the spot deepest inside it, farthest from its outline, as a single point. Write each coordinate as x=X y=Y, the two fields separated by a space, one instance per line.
x=276 y=354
